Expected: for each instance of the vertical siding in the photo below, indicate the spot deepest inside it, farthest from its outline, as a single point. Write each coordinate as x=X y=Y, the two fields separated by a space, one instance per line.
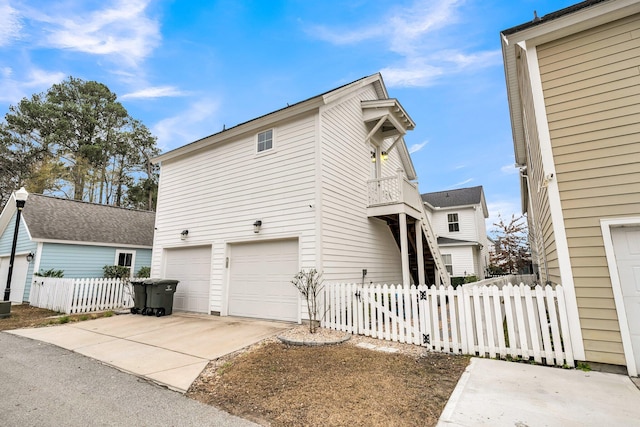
x=230 y=187
x=591 y=88
x=539 y=215
x=351 y=241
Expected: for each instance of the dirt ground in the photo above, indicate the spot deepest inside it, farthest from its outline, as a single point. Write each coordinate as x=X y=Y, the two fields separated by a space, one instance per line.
x=338 y=385
x=25 y=316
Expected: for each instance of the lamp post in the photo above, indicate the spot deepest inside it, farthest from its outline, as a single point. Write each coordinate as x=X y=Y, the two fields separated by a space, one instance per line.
x=21 y=198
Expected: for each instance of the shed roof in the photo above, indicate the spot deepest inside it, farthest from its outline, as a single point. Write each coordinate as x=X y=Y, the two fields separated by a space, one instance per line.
x=53 y=218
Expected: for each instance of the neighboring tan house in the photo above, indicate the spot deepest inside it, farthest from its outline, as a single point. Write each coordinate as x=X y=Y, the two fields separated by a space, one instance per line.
x=76 y=237
x=574 y=96
x=324 y=183
x=458 y=219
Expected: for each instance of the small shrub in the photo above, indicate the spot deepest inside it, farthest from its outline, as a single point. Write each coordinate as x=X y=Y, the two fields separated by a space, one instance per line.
x=50 y=273
x=470 y=279
x=309 y=283
x=64 y=319
x=108 y=313
x=115 y=271
x=457 y=281
x=83 y=317
x=144 y=272
x=583 y=366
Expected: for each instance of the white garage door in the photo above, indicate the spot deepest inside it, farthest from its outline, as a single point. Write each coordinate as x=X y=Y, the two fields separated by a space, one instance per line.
x=192 y=267
x=260 y=280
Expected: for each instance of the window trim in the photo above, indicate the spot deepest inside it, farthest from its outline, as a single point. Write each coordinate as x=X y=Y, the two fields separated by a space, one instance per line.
x=448 y=267
x=273 y=142
x=455 y=224
x=133 y=258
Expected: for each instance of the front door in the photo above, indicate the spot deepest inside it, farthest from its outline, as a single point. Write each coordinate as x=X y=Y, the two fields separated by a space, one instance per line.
x=626 y=246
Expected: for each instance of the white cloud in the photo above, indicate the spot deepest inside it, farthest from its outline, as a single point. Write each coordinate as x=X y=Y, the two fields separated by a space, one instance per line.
x=413 y=34
x=417 y=147
x=122 y=30
x=193 y=123
x=461 y=183
x=10 y=24
x=35 y=80
x=154 y=92
x=509 y=169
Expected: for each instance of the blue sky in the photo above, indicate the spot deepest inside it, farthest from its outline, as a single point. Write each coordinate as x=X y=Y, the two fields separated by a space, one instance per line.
x=188 y=68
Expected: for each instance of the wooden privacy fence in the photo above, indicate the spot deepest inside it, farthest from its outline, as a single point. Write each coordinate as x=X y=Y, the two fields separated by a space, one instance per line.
x=510 y=322
x=80 y=295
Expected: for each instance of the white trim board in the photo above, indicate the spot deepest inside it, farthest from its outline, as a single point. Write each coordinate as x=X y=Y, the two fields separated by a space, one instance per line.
x=606 y=225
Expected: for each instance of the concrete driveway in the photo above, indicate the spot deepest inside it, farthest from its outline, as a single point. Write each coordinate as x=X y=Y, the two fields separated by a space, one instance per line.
x=170 y=350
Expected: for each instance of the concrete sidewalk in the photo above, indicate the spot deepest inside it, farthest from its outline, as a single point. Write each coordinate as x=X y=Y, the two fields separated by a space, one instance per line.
x=170 y=350
x=498 y=393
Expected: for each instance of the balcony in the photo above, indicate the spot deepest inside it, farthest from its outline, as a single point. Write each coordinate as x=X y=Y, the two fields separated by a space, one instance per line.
x=393 y=195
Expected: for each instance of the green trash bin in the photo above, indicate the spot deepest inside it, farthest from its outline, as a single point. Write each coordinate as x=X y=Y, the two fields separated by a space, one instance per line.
x=159 y=296
x=139 y=296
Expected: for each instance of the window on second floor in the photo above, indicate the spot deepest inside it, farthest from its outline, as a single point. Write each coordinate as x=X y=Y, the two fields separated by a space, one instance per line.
x=446 y=258
x=452 y=219
x=265 y=141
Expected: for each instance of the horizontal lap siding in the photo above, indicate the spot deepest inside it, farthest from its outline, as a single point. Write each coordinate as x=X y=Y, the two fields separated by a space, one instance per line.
x=219 y=192
x=76 y=261
x=351 y=241
x=591 y=83
x=539 y=215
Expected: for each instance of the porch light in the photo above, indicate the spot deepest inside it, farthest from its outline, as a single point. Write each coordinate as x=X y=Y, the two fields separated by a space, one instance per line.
x=384 y=155
x=21 y=198
x=184 y=234
x=373 y=157
x=256 y=226
x=30 y=257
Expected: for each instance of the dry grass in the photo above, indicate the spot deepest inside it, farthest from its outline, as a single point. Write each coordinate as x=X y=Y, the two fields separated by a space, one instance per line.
x=25 y=316
x=280 y=385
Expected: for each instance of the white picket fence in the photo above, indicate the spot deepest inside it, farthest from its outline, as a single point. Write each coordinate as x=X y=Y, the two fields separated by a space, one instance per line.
x=80 y=295
x=485 y=321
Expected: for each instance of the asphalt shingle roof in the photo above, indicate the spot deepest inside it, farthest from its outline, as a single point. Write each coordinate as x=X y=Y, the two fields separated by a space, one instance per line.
x=63 y=219
x=458 y=197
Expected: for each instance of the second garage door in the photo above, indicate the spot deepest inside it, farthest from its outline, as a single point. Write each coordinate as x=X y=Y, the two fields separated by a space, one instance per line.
x=260 y=280
x=192 y=267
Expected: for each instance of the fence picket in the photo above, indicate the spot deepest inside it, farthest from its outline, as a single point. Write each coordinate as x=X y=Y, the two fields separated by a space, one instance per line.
x=479 y=323
x=488 y=322
x=564 y=324
x=455 y=345
x=555 y=331
x=435 y=325
x=386 y=312
x=425 y=323
x=544 y=326
x=533 y=324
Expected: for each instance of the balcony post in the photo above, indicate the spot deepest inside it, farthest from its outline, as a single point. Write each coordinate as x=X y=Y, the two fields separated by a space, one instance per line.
x=419 y=249
x=404 y=250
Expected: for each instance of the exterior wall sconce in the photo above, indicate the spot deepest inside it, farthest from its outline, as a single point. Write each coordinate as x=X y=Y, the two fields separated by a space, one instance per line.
x=373 y=157
x=384 y=155
x=184 y=234
x=30 y=257
x=256 y=226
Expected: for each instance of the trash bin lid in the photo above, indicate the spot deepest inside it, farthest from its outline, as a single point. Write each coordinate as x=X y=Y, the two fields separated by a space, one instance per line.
x=160 y=282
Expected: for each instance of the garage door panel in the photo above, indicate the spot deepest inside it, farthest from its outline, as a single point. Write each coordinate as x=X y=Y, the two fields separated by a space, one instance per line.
x=192 y=267
x=260 y=280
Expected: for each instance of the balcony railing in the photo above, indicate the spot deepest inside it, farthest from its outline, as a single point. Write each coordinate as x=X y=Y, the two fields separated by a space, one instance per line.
x=392 y=190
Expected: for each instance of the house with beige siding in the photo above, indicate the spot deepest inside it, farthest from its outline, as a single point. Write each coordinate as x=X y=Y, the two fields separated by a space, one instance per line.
x=574 y=96
x=326 y=183
x=458 y=220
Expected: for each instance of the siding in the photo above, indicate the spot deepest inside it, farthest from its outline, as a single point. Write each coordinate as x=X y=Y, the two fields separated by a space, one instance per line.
x=539 y=215
x=462 y=260
x=229 y=187
x=23 y=246
x=592 y=94
x=77 y=261
x=351 y=241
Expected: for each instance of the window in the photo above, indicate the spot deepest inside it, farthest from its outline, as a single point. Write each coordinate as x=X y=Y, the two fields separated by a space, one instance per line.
x=126 y=258
x=265 y=140
x=446 y=258
x=452 y=219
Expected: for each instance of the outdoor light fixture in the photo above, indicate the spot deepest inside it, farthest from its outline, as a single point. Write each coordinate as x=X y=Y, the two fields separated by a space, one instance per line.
x=384 y=155
x=373 y=157
x=21 y=198
x=184 y=234
x=256 y=226
x=30 y=257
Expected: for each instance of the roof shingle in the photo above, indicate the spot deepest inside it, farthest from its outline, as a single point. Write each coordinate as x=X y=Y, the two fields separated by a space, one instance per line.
x=458 y=197
x=72 y=220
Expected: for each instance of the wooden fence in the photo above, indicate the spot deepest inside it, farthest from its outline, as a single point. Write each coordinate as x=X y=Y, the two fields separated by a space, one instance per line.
x=80 y=295
x=485 y=321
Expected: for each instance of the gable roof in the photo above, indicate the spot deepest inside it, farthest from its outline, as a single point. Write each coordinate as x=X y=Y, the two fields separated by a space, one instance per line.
x=457 y=197
x=302 y=107
x=53 y=218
